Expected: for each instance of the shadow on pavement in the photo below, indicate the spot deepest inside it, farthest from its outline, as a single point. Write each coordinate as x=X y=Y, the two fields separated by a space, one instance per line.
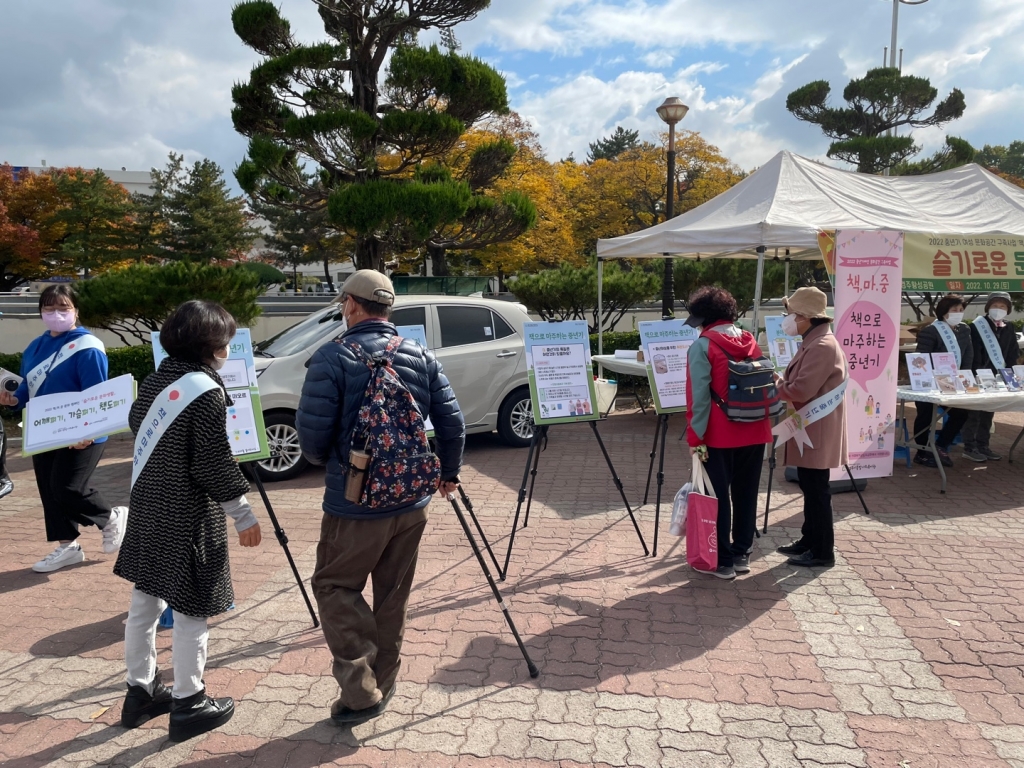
x=79 y=640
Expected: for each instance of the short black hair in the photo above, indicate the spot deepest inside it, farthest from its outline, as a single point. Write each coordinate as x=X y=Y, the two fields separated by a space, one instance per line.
x=711 y=304
x=372 y=308
x=197 y=329
x=54 y=293
x=946 y=303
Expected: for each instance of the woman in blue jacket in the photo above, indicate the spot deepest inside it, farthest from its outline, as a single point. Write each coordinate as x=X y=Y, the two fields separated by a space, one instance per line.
x=67 y=358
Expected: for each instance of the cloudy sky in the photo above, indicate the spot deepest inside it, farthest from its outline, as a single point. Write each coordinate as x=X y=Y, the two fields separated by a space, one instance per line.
x=120 y=83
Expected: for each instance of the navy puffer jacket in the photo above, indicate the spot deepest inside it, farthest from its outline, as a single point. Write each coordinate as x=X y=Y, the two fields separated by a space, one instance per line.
x=333 y=393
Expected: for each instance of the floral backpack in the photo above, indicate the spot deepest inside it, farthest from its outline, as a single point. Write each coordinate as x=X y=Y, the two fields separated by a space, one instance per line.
x=402 y=468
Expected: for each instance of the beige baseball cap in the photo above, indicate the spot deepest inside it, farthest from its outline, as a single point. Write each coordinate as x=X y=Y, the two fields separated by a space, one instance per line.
x=370 y=285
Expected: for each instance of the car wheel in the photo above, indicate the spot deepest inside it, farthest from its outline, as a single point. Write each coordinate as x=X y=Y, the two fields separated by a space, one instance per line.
x=286 y=461
x=515 y=419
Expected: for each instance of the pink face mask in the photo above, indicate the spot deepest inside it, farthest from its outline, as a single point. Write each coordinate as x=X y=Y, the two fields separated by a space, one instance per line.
x=59 y=321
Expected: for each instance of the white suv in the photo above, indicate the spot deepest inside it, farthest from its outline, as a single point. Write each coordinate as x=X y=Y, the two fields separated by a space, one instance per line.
x=478 y=341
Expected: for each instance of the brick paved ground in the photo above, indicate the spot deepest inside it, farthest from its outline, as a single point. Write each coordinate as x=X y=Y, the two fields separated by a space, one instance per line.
x=907 y=653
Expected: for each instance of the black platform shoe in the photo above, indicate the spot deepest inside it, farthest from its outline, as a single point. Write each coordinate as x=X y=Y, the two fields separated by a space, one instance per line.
x=198 y=714
x=140 y=705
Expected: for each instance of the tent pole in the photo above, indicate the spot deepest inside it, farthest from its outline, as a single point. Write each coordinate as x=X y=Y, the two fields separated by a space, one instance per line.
x=786 y=291
x=757 y=288
x=600 y=307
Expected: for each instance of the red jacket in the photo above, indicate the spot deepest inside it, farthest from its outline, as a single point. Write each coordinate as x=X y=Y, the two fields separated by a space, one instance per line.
x=708 y=424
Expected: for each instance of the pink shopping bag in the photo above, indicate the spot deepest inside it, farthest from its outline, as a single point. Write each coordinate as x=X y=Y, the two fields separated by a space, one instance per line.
x=701 y=521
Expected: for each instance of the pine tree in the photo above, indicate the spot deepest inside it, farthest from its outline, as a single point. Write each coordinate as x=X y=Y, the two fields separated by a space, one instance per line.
x=331 y=107
x=203 y=222
x=611 y=147
x=883 y=100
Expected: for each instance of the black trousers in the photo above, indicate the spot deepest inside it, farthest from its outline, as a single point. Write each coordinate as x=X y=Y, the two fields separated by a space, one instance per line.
x=923 y=422
x=3 y=453
x=817 y=532
x=736 y=476
x=68 y=500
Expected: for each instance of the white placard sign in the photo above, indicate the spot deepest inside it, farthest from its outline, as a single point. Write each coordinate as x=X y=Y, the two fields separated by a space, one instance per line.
x=665 y=344
x=66 y=418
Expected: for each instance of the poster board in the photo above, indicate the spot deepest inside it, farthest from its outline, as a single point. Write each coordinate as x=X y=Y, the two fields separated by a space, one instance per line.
x=560 y=372
x=781 y=348
x=246 y=430
x=665 y=344
x=66 y=418
x=868 y=268
x=963 y=263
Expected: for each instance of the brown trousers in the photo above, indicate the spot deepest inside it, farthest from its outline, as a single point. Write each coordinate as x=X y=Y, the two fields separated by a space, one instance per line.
x=365 y=643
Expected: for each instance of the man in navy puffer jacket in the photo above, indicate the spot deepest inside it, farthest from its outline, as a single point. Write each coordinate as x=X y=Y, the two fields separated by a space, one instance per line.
x=357 y=542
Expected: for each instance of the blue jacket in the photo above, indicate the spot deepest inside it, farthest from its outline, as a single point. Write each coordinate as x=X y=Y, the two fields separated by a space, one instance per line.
x=82 y=370
x=333 y=393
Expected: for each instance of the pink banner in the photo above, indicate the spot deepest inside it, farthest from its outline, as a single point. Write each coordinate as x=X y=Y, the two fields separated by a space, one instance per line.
x=869 y=267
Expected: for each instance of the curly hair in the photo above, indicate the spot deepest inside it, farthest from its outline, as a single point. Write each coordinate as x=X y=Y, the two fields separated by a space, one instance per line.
x=713 y=304
x=946 y=303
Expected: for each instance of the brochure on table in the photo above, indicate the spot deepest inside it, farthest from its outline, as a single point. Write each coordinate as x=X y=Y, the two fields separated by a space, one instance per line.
x=781 y=348
x=937 y=372
x=560 y=372
x=665 y=344
x=417 y=333
x=66 y=418
x=868 y=268
x=247 y=433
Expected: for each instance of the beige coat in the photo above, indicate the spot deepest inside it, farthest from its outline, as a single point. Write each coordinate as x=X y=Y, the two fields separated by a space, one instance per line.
x=818 y=368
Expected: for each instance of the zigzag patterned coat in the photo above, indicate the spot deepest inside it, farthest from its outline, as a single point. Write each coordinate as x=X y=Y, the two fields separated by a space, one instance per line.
x=176 y=543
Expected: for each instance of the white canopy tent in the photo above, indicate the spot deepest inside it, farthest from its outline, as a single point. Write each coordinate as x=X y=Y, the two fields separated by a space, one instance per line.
x=785 y=203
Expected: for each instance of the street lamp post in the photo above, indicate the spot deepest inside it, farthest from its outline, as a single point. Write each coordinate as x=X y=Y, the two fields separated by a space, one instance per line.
x=892 y=45
x=671 y=111
x=295 y=269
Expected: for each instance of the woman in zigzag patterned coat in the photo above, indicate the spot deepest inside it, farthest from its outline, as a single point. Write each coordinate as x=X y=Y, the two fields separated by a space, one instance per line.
x=175 y=549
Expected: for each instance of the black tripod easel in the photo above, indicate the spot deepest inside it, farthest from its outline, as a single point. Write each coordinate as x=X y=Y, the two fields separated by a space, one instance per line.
x=540 y=435
x=771 y=476
x=534 y=672
x=282 y=539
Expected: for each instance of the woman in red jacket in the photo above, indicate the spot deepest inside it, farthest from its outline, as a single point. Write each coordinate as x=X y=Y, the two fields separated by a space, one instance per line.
x=735 y=450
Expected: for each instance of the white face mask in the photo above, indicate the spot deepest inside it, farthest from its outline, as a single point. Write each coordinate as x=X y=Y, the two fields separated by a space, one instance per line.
x=218 y=362
x=997 y=314
x=789 y=326
x=955 y=318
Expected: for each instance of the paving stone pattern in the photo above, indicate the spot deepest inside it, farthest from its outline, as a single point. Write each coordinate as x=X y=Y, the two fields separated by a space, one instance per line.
x=906 y=653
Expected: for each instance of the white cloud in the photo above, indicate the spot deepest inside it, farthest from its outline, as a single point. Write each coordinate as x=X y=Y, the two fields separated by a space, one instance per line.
x=658 y=59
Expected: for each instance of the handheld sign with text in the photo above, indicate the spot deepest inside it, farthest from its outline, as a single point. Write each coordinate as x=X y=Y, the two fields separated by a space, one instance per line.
x=560 y=372
x=246 y=430
x=66 y=418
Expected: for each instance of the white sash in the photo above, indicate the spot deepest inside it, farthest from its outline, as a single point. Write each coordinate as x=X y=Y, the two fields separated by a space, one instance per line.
x=949 y=339
x=988 y=337
x=795 y=427
x=37 y=375
x=166 y=407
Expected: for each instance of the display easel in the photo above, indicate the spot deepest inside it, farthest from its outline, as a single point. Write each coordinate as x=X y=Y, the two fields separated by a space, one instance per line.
x=540 y=436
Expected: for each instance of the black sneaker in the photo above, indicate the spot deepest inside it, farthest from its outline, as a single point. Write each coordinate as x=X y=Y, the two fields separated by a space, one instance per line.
x=741 y=563
x=989 y=454
x=944 y=457
x=796 y=548
x=973 y=454
x=351 y=717
x=925 y=459
x=140 y=705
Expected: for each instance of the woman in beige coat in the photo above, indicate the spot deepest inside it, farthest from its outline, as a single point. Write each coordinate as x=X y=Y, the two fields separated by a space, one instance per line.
x=817 y=369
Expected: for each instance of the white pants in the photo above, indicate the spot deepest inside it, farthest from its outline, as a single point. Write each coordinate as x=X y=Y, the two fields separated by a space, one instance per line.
x=188 y=646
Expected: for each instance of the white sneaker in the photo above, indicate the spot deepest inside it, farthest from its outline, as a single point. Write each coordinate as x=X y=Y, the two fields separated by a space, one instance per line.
x=113 y=533
x=62 y=556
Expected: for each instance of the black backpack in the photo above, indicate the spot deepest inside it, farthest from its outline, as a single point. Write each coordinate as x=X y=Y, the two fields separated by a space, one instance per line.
x=752 y=395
